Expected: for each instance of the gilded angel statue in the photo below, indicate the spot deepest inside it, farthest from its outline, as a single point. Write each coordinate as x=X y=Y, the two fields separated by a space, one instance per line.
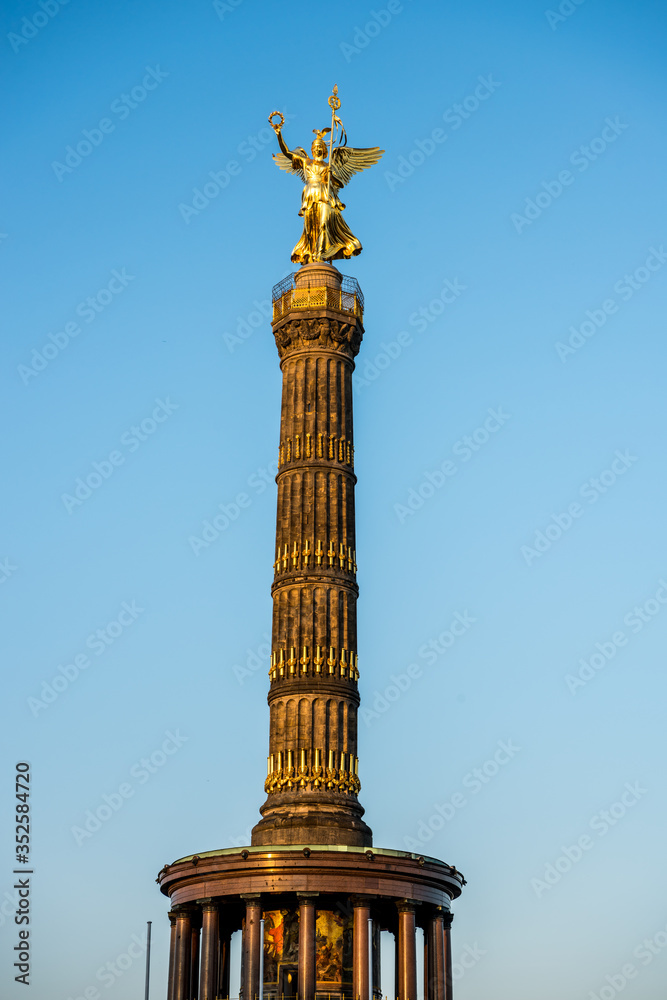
x=326 y=235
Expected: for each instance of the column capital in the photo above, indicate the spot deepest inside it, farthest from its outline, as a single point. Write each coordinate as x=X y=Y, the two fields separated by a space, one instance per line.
x=251 y=898
x=307 y=897
x=362 y=900
x=322 y=334
x=406 y=905
x=208 y=903
x=172 y=916
x=183 y=910
x=448 y=919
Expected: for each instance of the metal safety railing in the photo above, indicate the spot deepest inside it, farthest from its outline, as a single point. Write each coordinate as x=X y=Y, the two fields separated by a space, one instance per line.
x=288 y=297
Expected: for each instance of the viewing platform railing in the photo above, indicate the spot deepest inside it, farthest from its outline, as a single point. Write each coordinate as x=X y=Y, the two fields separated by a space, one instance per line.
x=347 y=299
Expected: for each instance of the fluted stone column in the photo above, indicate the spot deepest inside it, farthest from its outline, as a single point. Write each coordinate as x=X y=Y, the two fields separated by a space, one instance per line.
x=312 y=782
x=407 y=954
x=172 y=955
x=307 y=945
x=376 y=960
x=225 y=936
x=210 y=945
x=193 y=993
x=251 y=944
x=182 y=953
x=361 y=960
x=449 y=982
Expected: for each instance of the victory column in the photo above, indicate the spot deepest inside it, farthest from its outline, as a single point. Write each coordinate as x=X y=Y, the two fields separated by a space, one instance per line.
x=311 y=894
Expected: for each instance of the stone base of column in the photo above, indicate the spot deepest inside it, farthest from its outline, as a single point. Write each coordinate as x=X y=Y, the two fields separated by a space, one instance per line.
x=291 y=819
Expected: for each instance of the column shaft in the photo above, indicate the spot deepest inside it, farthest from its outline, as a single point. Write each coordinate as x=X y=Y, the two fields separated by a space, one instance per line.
x=193 y=992
x=223 y=963
x=210 y=945
x=407 y=957
x=437 y=957
x=172 y=956
x=377 y=960
x=428 y=959
x=314 y=696
x=449 y=982
x=360 y=957
x=182 y=955
x=306 y=948
x=251 y=946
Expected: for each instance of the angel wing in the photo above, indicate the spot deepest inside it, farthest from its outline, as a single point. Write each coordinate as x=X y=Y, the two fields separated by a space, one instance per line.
x=292 y=164
x=346 y=161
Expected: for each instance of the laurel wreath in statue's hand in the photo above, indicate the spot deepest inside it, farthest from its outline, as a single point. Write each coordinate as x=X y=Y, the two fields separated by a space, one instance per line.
x=276 y=126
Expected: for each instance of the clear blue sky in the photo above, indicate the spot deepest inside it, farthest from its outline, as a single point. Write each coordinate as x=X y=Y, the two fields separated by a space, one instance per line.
x=540 y=200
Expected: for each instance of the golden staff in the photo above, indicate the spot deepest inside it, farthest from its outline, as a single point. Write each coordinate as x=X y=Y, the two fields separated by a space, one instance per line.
x=334 y=104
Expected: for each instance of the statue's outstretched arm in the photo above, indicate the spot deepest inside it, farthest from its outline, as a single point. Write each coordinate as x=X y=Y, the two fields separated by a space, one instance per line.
x=283 y=145
x=287 y=159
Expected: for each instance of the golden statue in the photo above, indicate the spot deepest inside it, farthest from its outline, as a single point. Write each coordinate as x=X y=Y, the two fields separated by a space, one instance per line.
x=326 y=235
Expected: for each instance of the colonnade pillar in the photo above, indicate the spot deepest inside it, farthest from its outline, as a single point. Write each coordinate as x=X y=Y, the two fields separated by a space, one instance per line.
x=172 y=955
x=428 y=962
x=406 y=976
x=435 y=956
x=251 y=944
x=210 y=946
x=361 y=960
x=307 y=945
x=225 y=939
x=182 y=954
x=376 y=961
x=449 y=982
x=193 y=989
